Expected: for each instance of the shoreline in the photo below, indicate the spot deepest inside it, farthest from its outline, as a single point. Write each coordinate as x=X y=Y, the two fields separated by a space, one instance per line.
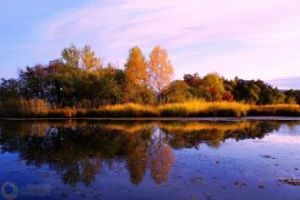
x=216 y=119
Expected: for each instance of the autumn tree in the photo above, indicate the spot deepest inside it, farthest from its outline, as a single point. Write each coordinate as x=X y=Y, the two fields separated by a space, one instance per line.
x=136 y=77
x=89 y=59
x=214 y=85
x=160 y=68
x=136 y=67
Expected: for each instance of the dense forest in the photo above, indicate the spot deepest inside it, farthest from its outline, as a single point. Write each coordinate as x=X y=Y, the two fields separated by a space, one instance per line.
x=79 y=79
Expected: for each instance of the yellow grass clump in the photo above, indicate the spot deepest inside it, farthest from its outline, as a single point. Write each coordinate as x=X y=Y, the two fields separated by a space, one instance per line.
x=124 y=110
x=275 y=110
x=199 y=108
x=67 y=112
x=33 y=107
x=202 y=108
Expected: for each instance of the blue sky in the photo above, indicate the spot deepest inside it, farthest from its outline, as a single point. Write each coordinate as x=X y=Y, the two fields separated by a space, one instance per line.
x=250 y=39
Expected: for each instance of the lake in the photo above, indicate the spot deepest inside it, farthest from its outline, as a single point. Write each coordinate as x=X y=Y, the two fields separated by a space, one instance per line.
x=111 y=159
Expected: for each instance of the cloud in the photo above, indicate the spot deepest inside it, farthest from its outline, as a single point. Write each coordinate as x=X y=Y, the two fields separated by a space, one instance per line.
x=251 y=38
x=283 y=139
x=286 y=83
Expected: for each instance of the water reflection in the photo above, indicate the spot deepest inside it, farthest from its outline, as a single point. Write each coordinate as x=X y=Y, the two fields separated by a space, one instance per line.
x=77 y=150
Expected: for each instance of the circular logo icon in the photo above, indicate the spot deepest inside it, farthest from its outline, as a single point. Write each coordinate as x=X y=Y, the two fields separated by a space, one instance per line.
x=9 y=191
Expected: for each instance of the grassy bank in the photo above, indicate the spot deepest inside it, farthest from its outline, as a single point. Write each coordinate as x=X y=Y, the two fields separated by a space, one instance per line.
x=187 y=109
x=275 y=110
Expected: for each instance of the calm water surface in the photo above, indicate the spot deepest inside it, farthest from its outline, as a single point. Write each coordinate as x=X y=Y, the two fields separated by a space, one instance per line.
x=149 y=160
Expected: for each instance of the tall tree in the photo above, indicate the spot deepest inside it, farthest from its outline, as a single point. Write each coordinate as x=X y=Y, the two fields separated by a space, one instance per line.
x=89 y=59
x=136 y=67
x=160 y=68
x=136 y=78
x=71 y=56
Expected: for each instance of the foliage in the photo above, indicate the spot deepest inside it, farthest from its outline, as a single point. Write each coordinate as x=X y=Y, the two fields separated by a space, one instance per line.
x=80 y=84
x=136 y=68
x=136 y=79
x=89 y=60
x=202 y=108
x=71 y=56
x=178 y=91
x=214 y=85
x=161 y=69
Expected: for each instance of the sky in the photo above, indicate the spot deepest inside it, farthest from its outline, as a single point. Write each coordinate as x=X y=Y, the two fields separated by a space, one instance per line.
x=251 y=39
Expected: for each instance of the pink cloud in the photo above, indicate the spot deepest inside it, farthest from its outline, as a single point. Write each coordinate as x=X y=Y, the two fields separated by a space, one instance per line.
x=268 y=33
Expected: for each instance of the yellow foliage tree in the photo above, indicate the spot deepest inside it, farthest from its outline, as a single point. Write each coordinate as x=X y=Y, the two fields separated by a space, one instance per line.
x=89 y=59
x=136 y=77
x=160 y=68
x=136 y=68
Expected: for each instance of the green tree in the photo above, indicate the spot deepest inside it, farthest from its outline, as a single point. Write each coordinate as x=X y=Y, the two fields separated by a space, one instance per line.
x=71 y=56
x=178 y=91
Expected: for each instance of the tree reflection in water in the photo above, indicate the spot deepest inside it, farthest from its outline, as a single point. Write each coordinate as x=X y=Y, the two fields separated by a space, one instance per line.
x=78 y=149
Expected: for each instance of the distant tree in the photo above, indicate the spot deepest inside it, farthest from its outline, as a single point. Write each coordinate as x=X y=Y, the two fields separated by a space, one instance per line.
x=136 y=68
x=245 y=90
x=214 y=84
x=9 y=97
x=291 y=96
x=227 y=96
x=193 y=80
x=78 y=79
x=136 y=78
x=200 y=93
x=160 y=68
x=9 y=88
x=33 y=82
x=71 y=56
x=178 y=91
x=89 y=59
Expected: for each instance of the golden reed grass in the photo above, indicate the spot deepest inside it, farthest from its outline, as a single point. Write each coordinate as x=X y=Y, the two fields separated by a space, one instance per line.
x=38 y=108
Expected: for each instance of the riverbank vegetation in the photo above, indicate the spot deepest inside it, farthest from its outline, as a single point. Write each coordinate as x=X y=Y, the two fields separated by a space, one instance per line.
x=80 y=84
x=40 y=109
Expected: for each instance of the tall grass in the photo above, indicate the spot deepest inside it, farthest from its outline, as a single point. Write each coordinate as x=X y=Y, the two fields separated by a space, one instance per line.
x=24 y=108
x=275 y=110
x=204 y=109
x=67 y=112
x=39 y=108
x=124 y=110
x=34 y=107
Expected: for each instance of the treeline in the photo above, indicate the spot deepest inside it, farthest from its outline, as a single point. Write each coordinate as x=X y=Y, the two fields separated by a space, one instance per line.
x=79 y=79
